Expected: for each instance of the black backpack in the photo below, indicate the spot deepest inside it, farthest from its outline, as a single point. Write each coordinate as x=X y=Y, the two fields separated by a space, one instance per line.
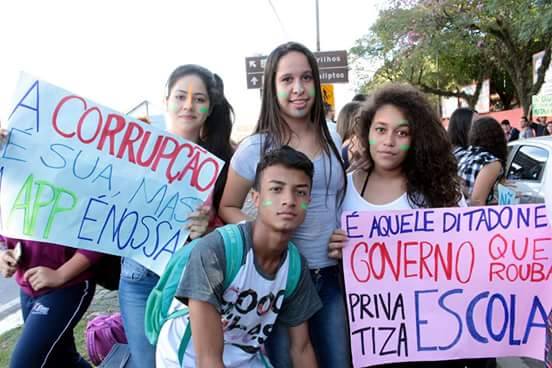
x=108 y=271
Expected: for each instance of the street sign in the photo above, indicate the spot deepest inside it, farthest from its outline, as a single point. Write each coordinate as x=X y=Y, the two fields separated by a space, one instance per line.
x=332 y=64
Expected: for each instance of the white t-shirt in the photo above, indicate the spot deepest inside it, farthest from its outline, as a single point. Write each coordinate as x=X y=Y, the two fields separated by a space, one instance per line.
x=249 y=306
x=355 y=202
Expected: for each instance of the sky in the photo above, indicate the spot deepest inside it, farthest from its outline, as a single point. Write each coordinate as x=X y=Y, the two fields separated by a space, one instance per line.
x=119 y=53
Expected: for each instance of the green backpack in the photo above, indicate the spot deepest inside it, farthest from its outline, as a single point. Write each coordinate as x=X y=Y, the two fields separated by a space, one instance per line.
x=162 y=295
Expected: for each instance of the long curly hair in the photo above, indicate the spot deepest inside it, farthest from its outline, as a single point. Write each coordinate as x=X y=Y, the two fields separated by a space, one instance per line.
x=429 y=167
x=487 y=133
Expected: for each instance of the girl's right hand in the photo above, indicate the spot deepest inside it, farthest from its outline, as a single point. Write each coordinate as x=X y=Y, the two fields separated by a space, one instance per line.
x=337 y=242
x=8 y=263
x=3 y=136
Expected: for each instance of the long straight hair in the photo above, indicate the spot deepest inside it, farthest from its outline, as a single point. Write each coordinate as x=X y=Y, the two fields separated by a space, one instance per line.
x=216 y=130
x=271 y=123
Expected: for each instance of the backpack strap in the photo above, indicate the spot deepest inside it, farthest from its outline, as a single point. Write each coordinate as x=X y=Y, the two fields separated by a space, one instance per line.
x=233 y=252
x=294 y=273
x=184 y=343
x=233 y=249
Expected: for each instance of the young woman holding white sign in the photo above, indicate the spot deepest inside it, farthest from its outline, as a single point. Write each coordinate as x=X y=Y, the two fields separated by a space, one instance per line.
x=410 y=164
x=196 y=110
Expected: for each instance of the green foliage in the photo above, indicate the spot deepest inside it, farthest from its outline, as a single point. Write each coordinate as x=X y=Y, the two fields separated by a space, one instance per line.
x=9 y=339
x=441 y=45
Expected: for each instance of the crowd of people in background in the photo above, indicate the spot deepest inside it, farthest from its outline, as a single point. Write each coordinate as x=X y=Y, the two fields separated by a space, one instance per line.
x=387 y=151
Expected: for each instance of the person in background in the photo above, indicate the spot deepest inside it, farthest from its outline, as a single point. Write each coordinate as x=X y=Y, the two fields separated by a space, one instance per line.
x=510 y=132
x=359 y=97
x=346 y=120
x=459 y=128
x=196 y=110
x=548 y=130
x=292 y=113
x=483 y=165
x=526 y=129
x=330 y=113
x=539 y=126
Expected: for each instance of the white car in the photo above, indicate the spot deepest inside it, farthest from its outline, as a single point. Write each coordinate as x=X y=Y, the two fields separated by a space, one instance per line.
x=528 y=171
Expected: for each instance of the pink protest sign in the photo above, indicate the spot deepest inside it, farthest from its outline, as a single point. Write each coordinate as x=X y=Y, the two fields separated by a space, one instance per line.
x=441 y=284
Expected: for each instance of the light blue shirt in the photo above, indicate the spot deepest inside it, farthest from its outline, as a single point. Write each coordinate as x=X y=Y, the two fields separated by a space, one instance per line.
x=323 y=214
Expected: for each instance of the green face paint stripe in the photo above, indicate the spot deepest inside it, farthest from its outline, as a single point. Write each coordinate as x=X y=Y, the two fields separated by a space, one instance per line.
x=304 y=205
x=203 y=109
x=371 y=141
x=404 y=147
x=267 y=202
x=173 y=106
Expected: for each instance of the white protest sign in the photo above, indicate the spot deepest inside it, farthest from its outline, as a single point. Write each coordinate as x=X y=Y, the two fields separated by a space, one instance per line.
x=75 y=173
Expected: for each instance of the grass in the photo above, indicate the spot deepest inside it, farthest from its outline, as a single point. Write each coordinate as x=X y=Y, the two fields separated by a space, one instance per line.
x=9 y=339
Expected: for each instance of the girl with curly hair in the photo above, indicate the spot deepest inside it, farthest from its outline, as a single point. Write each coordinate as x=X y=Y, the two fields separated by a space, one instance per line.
x=410 y=157
x=410 y=163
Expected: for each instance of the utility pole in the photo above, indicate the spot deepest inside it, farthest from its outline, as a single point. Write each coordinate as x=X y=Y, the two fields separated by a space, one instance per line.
x=317 y=28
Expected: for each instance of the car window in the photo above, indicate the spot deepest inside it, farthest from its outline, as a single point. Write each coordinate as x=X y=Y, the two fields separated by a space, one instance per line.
x=528 y=164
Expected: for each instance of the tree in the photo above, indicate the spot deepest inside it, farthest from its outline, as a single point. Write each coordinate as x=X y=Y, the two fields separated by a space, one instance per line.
x=441 y=45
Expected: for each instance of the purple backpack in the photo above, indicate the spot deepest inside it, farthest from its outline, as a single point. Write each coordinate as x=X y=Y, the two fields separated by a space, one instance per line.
x=102 y=332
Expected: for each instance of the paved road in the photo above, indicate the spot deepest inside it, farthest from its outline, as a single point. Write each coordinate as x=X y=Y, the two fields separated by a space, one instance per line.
x=9 y=296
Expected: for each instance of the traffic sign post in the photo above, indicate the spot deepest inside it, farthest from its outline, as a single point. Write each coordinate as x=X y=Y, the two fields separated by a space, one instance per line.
x=332 y=65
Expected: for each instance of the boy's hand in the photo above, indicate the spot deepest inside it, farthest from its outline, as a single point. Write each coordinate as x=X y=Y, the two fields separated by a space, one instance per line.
x=42 y=277
x=198 y=221
x=337 y=243
x=8 y=263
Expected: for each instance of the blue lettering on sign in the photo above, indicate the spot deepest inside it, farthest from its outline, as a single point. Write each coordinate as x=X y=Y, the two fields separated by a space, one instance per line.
x=35 y=108
x=9 y=143
x=499 y=318
x=102 y=222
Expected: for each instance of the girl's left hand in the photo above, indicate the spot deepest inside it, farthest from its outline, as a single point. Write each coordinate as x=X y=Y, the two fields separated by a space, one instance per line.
x=198 y=221
x=42 y=277
x=338 y=240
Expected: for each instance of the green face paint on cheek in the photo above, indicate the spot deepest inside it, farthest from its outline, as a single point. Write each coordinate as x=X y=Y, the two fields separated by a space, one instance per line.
x=267 y=202
x=312 y=92
x=203 y=109
x=282 y=95
x=304 y=205
x=404 y=147
x=371 y=142
x=174 y=106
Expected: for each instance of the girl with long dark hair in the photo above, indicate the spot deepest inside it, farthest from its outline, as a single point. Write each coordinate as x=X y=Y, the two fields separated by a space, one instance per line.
x=292 y=114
